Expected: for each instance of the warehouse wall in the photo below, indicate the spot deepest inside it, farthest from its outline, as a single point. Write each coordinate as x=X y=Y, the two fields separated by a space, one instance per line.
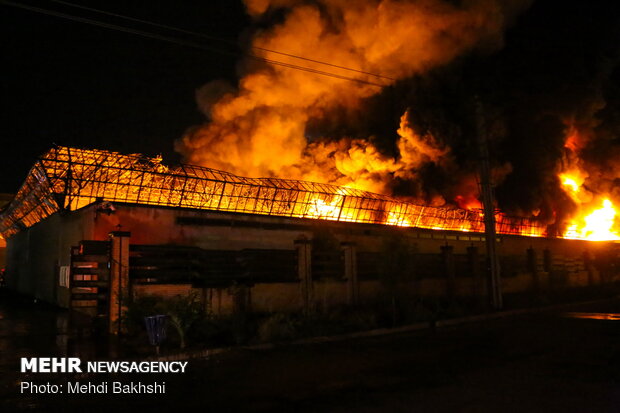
x=35 y=255
x=528 y=264
x=437 y=263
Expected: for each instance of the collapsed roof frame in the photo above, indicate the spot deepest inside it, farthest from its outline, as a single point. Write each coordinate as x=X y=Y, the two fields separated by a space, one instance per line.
x=68 y=179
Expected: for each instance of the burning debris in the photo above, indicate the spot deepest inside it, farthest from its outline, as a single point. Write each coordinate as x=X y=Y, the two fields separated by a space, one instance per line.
x=430 y=57
x=69 y=179
x=403 y=128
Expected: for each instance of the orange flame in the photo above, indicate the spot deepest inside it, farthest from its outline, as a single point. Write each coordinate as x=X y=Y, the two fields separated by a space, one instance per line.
x=595 y=219
x=598 y=225
x=258 y=129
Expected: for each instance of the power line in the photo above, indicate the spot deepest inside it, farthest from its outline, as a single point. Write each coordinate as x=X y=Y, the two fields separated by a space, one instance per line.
x=219 y=39
x=189 y=43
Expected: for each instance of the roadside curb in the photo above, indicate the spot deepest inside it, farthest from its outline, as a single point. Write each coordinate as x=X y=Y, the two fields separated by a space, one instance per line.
x=426 y=325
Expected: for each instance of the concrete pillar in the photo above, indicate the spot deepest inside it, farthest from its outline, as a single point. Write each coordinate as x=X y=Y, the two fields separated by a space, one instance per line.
x=119 y=279
x=304 y=272
x=589 y=267
x=547 y=260
x=447 y=255
x=477 y=279
x=241 y=298
x=532 y=267
x=548 y=268
x=349 y=252
x=205 y=301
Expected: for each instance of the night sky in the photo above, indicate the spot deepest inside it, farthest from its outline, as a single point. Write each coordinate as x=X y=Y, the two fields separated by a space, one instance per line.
x=70 y=83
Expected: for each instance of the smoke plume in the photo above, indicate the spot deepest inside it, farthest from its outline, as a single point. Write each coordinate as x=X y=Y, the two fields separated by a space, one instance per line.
x=276 y=122
x=546 y=72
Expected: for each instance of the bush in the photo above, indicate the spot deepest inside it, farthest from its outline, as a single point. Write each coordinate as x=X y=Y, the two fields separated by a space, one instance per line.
x=348 y=319
x=139 y=308
x=182 y=311
x=285 y=327
x=278 y=327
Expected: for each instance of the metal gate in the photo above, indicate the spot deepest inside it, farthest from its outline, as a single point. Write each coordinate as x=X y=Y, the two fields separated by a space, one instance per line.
x=90 y=277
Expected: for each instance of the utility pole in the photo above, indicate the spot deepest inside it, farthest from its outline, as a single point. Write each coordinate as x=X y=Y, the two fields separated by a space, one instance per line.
x=486 y=187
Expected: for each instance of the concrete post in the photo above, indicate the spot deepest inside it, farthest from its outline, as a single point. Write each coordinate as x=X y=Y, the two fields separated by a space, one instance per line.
x=241 y=298
x=447 y=254
x=349 y=252
x=478 y=284
x=119 y=279
x=547 y=260
x=532 y=268
x=548 y=268
x=304 y=272
x=587 y=265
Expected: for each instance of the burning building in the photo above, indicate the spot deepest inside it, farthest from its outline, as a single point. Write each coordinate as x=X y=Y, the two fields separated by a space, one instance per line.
x=374 y=133
x=88 y=226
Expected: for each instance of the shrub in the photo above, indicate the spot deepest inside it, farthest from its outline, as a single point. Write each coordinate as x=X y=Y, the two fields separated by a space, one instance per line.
x=182 y=311
x=140 y=307
x=278 y=327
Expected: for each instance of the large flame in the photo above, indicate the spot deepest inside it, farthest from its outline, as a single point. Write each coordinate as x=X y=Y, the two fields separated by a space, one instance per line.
x=595 y=216
x=261 y=127
x=598 y=224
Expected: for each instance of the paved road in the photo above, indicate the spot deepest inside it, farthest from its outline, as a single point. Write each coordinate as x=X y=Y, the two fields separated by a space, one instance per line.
x=541 y=363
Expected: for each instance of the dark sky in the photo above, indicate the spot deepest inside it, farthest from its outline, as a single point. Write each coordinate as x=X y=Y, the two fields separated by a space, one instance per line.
x=71 y=83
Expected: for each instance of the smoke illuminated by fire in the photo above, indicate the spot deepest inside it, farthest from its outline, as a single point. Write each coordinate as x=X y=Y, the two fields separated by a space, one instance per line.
x=261 y=127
